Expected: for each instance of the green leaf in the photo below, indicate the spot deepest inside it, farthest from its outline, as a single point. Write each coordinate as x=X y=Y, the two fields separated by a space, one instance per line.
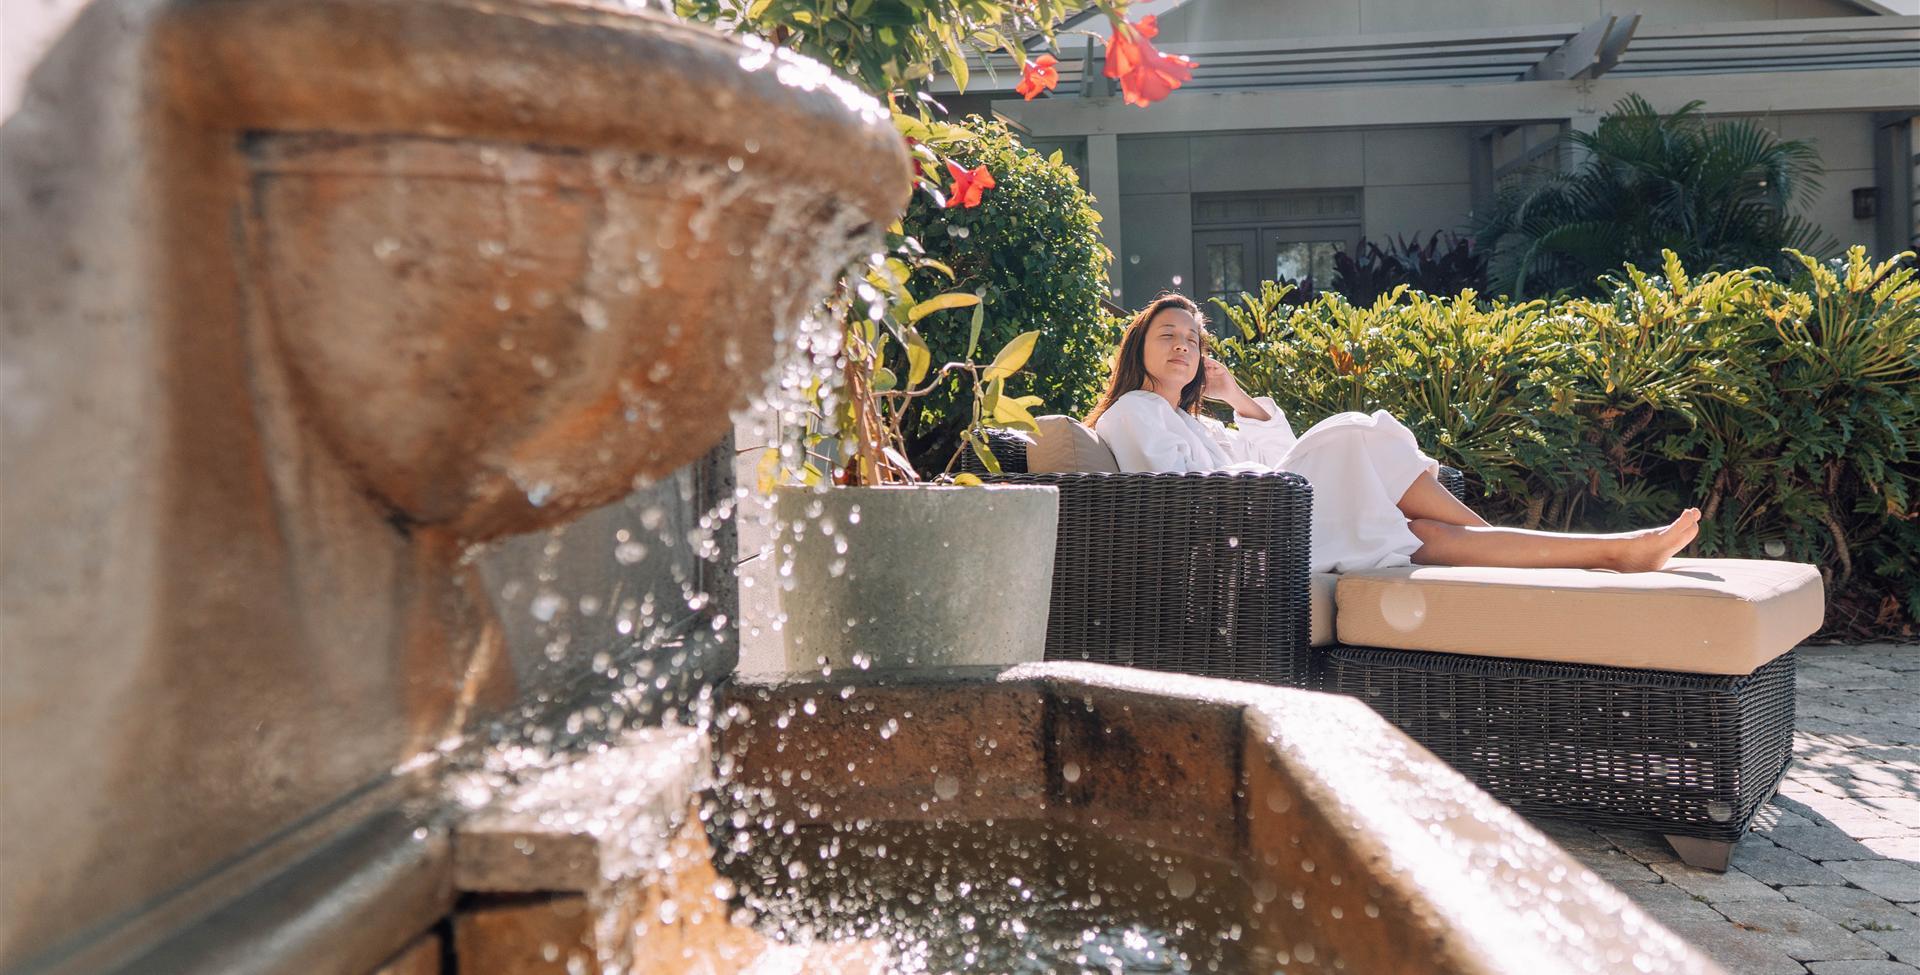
x=980 y=450
x=940 y=266
x=956 y=60
x=919 y=358
x=952 y=299
x=759 y=7
x=1057 y=157
x=1012 y=411
x=964 y=479
x=884 y=380
x=1013 y=355
x=973 y=333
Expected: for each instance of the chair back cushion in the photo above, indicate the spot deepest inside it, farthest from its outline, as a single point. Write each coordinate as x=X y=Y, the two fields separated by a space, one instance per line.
x=1064 y=445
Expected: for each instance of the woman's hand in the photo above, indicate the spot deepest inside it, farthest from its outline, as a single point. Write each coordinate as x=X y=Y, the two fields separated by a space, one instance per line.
x=1220 y=384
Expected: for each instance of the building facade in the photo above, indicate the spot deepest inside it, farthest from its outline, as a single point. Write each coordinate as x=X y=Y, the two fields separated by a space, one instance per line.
x=1311 y=124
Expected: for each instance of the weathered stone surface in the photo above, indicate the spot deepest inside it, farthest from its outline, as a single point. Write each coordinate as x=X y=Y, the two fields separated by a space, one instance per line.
x=1852 y=908
x=1891 y=879
x=1798 y=932
x=1820 y=843
x=1777 y=867
x=1717 y=887
x=1739 y=951
x=1643 y=846
x=1617 y=868
x=1861 y=968
x=1902 y=943
x=1905 y=848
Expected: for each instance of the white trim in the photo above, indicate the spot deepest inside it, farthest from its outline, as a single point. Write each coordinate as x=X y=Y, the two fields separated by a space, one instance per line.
x=1354 y=106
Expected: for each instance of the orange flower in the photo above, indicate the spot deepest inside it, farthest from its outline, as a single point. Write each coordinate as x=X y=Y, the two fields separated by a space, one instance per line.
x=1145 y=74
x=968 y=186
x=1037 y=76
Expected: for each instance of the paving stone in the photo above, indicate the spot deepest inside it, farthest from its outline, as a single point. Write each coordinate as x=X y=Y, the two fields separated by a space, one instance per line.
x=1849 y=815
x=1902 y=943
x=1820 y=843
x=1895 y=847
x=1617 y=868
x=1774 y=816
x=1800 y=809
x=1800 y=933
x=1777 y=867
x=1891 y=879
x=1576 y=838
x=1902 y=808
x=1861 y=968
x=1716 y=887
x=1641 y=845
x=1852 y=908
x=1737 y=950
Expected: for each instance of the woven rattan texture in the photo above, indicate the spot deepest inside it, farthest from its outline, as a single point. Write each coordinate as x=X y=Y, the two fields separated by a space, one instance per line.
x=1683 y=754
x=1192 y=573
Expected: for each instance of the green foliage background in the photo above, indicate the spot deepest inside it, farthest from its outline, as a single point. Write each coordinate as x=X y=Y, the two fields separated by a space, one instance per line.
x=1720 y=194
x=1032 y=249
x=1787 y=409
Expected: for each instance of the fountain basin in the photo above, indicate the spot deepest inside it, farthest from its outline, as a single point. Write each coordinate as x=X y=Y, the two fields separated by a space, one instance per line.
x=1363 y=852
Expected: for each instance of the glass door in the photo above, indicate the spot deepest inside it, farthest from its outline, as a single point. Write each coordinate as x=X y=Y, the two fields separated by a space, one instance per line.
x=1229 y=263
x=1303 y=256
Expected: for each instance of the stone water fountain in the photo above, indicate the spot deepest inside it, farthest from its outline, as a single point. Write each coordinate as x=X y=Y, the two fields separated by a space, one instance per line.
x=351 y=347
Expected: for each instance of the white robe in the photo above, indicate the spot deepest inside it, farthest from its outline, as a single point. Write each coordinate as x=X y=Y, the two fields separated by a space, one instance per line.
x=1359 y=465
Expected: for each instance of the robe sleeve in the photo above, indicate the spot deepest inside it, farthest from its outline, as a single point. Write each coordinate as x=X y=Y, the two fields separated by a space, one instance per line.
x=1262 y=442
x=1137 y=433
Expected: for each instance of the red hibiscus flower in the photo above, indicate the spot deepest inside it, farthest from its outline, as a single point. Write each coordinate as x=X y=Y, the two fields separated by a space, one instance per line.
x=1145 y=74
x=968 y=186
x=1037 y=76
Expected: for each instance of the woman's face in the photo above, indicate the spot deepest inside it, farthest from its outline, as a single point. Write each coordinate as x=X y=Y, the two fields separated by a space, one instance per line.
x=1172 y=351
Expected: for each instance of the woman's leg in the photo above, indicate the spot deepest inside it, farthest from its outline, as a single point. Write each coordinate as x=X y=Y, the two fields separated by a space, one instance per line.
x=1427 y=498
x=1644 y=551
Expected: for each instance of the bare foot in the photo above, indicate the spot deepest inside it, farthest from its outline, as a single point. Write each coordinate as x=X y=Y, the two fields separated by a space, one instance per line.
x=1648 y=551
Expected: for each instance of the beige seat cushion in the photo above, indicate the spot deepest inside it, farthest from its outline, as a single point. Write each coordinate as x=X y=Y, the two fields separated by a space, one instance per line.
x=1320 y=586
x=1064 y=445
x=1707 y=616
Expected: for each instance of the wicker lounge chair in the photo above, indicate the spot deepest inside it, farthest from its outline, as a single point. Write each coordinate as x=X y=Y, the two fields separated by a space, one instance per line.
x=1206 y=574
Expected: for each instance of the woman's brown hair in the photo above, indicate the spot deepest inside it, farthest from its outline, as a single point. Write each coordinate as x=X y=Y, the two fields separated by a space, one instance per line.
x=1130 y=361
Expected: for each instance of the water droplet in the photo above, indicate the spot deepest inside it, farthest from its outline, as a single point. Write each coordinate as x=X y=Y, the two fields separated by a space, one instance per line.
x=1070 y=771
x=736 y=164
x=492 y=248
x=629 y=552
x=547 y=605
x=1182 y=883
x=946 y=786
x=385 y=248
x=1775 y=548
x=594 y=314
x=501 y=302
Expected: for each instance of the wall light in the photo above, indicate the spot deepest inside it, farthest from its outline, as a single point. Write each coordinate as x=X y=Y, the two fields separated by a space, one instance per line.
x=1866 y=201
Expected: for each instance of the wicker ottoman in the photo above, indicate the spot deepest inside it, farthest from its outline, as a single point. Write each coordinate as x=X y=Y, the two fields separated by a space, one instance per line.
x=1659 y=701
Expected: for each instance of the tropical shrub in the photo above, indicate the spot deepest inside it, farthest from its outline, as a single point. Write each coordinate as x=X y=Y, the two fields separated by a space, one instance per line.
x=1718 y=194
x=1032 y=251
x=1786 y=407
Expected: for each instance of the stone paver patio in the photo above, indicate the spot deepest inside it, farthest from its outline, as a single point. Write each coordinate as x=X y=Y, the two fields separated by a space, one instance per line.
x=1828 y=880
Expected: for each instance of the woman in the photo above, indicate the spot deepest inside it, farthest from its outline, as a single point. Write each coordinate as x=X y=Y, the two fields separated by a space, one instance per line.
x=1376 y=499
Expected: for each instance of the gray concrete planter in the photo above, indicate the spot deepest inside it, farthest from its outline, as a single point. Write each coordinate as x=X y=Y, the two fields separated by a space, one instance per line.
x=915 y=576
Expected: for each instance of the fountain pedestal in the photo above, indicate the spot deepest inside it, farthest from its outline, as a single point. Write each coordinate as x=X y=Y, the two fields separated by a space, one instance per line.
x=304 y=299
